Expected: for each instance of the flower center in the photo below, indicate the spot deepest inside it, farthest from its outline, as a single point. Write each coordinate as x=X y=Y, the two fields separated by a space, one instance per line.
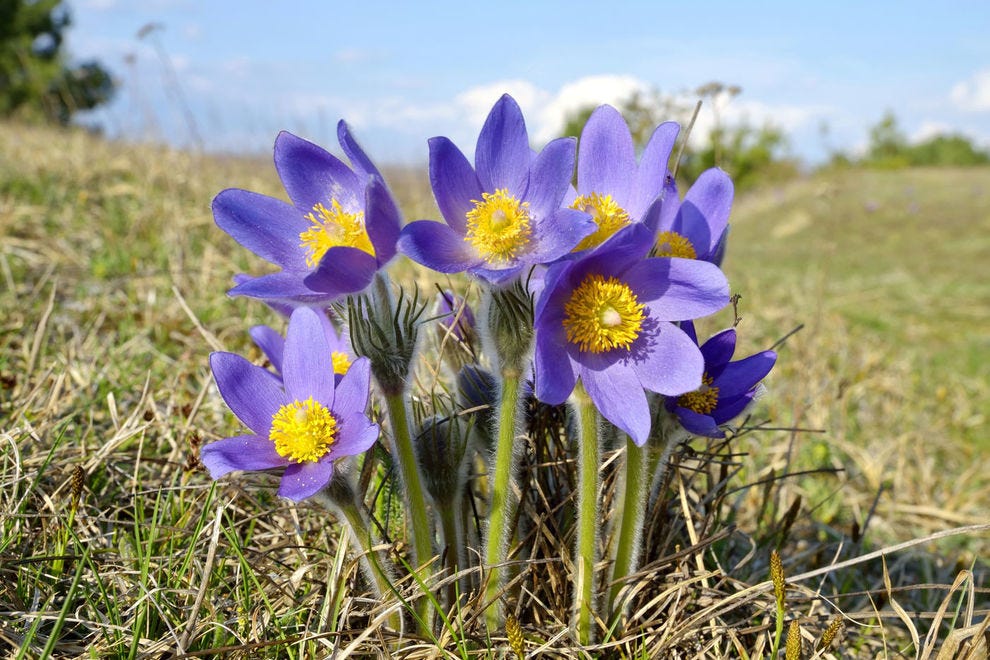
x=341 y=362
x=333 y=227
x=303 y=431
x=703 y=400
x=609 y=216
x=672 y=244
x=498 y=226
x=603 y=314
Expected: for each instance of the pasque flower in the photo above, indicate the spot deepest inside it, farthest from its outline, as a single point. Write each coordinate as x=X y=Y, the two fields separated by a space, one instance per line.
x=607 y=319
x=727 y=387
x=697 y=226
x=339 y=229
x=612 y=186
x=304 y=424
x=503 y=214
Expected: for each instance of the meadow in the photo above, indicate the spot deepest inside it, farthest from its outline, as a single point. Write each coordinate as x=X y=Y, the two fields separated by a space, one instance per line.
x=867 y=453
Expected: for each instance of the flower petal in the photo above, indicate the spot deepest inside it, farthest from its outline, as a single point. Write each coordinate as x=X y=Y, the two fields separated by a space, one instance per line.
x=307 y=366
x=382 y=220
x=619 y=397
x=559 y=233
x=311 y=175
x=353 y=389
x=672 y=363
x=241 y=452
x=437 y=246
x=652 y=173
x=502 y=157
x=741 y=376
x=266 y=226
x=249 y=391
x=704 y=213
x=302 y=480
x=607 y=157
x=271 y=344
x=355 y=153
x=697 y=423
x=358 y=435
x=282 y=288
x=678 y=289
x=550 y=177
x=454 y=183
x=718 y=350
x=342 y=270
x=554 y=373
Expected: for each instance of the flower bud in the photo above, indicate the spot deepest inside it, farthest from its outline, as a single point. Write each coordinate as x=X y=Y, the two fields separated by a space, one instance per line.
x=441 y=447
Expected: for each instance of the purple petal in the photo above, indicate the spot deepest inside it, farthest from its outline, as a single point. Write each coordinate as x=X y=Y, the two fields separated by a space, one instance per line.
x=271 y=344
x=670 y=204
x=437 y=246
x=382 y=220
x=241 y=452
x=559 y=233
x=301 y=480
x=353 y=389
x=307 y=368
x=620 y=399
x=266 y=226
x=312 y=175
x=678 y=289
x=740 y=376
x=607 y=157
x=342 y=270
x=280 y=288
x=502 y=157
x=697 y=423
x=728 y=410
x=718 y=351
x=249 y=391
x=704 y=214
x=357 y=436
x=555 y=374
x=454 y=183
x=652 y=172
x=354 y=152
x=672 y=363
x=551 y=177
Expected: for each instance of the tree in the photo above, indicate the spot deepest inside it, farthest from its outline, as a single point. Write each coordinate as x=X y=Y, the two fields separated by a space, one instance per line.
x=36 y=80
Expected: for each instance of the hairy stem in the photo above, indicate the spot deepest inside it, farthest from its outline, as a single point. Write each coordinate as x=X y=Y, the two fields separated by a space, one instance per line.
x=631 y=520
x=497 y=546
x=589 y=462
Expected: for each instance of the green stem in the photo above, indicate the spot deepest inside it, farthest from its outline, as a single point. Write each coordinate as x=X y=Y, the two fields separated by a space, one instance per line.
x=497 y=546
x=450 y=521
x=412 y=487
x=589 y=463
x=630 y=520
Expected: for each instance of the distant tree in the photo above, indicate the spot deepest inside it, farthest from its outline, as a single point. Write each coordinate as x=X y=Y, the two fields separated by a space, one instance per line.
x=888 y=144
x=36 y=80
x=889 y=147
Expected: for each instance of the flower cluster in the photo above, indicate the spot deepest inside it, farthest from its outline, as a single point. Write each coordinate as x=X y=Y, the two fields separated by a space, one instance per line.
x=589 y=288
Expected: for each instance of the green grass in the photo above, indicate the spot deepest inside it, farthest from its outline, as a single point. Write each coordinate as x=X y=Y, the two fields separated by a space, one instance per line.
x=111 y=284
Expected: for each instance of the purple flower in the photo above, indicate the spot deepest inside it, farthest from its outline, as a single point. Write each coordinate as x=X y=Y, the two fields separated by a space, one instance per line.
x=451 y=307
x=340 y=228
x=726 y=389
x=695 y=228
x=611 y=185
x=504 y=214
x=305 y=424
x=272 y=345
x=608 y=320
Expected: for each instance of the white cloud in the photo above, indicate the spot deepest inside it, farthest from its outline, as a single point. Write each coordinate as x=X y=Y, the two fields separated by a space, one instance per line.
x=929 y=129
x=973 y=94
x=583 y=92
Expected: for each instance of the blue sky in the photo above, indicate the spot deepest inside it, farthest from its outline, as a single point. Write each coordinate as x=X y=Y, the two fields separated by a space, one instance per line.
x=399 y=73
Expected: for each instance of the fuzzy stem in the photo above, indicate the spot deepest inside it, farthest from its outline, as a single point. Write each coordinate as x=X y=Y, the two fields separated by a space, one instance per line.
x=589 y=462
x=631 y=520
x=412 y=487
x=450 y=521
x=339 y=498
x=497 y=546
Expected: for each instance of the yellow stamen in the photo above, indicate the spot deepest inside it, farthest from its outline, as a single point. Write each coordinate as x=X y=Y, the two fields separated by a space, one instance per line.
x=703 y=400
x=303 y=431
x=603 y=314
x=672 y=244
x=498 y=226
x=333 y=227
x=341 y=362
x=609 y=216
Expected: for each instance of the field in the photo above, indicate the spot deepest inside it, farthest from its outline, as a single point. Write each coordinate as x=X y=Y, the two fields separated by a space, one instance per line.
x=114 y=543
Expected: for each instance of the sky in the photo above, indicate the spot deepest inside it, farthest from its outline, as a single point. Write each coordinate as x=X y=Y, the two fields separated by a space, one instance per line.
x=227 y=76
